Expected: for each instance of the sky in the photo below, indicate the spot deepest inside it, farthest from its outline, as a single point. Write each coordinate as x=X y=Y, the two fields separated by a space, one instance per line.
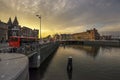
x=64 y=16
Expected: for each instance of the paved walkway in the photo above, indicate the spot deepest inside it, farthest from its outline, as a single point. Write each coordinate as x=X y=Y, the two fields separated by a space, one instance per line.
x=13 y=67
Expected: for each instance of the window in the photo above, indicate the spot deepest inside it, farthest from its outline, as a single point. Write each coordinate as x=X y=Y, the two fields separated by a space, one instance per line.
x=14 y=33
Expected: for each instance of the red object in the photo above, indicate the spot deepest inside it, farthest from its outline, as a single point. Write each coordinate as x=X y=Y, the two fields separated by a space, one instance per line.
x=17 y=41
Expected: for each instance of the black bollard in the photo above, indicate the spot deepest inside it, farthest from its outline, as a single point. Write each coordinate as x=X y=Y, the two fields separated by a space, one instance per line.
x=69 y=64
x=64 y=45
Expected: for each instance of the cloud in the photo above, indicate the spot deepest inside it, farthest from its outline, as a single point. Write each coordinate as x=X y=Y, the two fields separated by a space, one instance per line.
x=111 y=28
x=67 y=14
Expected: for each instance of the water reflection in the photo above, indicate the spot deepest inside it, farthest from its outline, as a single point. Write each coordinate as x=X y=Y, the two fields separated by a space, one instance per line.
x=69 y=75
x=38 y=74
x=105 y=66
x=89 y=50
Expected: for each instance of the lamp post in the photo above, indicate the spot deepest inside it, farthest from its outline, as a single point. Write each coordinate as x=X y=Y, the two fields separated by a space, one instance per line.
x=39 y=16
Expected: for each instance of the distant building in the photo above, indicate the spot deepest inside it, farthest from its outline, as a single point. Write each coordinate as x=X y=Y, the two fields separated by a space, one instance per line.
x=115 y=38
x=106 y=37
x=88 y=35
x=13 y=28
x=35 y=33
x=25 y=31
x=3 y=31
x=65 y=36
x=28 y=32
x=56 y=37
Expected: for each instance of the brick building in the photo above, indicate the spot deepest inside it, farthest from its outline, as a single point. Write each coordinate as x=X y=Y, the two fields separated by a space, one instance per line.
x=14 y=29
x=88 y=35
x=3 y=31
x=28 y=32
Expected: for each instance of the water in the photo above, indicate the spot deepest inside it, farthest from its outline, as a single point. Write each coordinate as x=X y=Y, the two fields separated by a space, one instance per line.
x=89 y=63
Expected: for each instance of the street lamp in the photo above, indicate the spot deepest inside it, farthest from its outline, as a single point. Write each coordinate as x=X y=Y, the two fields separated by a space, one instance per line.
x=39 y=16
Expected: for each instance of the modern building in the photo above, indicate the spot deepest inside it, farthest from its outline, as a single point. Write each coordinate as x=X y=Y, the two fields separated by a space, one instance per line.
x=88 y=35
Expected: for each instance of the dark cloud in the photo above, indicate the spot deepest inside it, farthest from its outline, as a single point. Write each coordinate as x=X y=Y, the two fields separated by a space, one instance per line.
x=61 y=14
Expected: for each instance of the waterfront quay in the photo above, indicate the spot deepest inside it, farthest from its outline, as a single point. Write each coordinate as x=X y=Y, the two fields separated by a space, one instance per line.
x=23 y=58
x=49 y=61
x=90 y=62
x=14 y=66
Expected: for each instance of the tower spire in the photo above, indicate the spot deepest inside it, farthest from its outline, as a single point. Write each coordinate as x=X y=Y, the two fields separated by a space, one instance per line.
x=15 y=22
x=9 y=21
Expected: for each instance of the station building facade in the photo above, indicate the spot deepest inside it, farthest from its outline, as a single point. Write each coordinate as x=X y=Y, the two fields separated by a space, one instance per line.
x=14 y=29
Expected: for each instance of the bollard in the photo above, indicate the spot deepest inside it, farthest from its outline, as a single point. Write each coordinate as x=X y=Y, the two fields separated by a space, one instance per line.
x=69 y=64
x=64 y=45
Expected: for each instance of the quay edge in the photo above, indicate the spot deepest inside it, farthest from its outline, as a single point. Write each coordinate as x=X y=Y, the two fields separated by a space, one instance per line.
x=42 y=54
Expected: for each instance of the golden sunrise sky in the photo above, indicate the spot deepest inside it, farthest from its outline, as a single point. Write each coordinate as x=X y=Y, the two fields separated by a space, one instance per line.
x=64 y=16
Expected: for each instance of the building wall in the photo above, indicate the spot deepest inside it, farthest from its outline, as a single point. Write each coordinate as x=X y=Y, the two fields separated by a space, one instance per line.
x=65 y=36
x=25 y=31
x=88 y=35
x=14 y=29
x=35 y=33
x=3 y=31
x=28 y=32
x=81 y=36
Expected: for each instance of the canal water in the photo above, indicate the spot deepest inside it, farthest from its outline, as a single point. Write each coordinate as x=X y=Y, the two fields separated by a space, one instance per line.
x=89 y=63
